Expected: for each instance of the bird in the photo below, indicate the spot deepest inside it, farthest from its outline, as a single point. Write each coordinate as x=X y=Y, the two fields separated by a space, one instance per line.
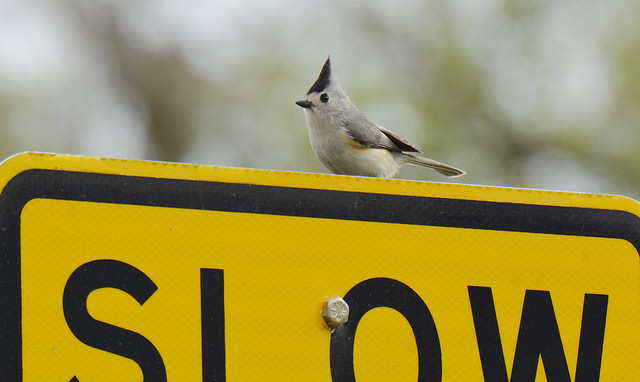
x=347 y=142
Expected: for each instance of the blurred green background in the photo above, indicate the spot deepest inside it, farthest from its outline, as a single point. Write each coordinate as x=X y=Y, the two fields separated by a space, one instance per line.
x=540 y=94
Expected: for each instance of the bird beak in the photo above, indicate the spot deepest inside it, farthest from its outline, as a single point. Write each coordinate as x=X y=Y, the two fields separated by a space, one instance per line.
x=304 y=103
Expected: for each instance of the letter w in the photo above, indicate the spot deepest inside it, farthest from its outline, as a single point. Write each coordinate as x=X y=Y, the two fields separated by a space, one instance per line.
x=538 y=337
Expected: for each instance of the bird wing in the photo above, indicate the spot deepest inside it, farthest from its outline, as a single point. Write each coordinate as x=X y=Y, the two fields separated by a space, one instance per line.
x=403 y=144
x=366 y=133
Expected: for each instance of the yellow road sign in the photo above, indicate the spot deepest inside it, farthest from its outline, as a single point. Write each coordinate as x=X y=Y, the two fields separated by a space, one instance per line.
x=118 y=270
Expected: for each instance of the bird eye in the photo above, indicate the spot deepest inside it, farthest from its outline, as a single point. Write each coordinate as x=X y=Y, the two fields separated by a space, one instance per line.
x=324 y=98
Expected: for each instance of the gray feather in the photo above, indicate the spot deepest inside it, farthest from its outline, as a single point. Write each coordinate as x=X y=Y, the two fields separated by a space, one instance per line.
x=366 y=133
x=401 y=143
x=440 y=167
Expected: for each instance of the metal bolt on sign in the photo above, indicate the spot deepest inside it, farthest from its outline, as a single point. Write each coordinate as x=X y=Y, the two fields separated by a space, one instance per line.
x=335 y=312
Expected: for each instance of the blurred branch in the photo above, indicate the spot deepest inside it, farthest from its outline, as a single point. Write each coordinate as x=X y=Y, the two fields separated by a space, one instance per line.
x=160 y=80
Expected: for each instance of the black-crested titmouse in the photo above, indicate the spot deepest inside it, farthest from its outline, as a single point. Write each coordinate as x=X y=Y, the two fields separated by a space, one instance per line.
x=347 y=142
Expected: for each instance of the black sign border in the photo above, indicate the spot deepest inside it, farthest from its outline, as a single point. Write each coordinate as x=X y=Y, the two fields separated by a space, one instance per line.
x=270 y=200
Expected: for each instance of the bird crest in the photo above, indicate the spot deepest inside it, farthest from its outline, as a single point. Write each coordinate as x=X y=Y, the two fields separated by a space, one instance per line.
x=323 y=79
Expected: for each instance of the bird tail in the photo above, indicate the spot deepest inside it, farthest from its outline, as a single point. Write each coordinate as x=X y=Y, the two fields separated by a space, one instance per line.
x=442 y=168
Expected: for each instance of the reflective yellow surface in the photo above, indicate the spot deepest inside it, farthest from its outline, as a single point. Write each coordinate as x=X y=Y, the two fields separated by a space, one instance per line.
x=278 y=270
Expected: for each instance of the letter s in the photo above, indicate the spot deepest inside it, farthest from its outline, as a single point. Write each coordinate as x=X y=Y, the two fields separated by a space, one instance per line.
x=111 y=274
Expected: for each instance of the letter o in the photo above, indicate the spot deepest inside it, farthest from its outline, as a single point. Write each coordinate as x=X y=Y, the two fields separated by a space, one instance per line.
x=390 y=293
